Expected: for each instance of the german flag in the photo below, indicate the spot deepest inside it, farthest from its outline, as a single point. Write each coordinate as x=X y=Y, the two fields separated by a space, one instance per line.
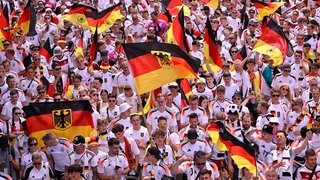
x=28 y=19
x=79 y=49
x=176 y=33
x=46 y=50
x=185 y=90
x=170 y=4
x=212 y=3
x=77 y=16
x=147 y=106
x=103 y=20
x=266 y=8
x=155 y=64
x=210 y=49
x=65 y=119
x=273 y=42
x=50 y=89
x=4 y=25
x=93 y=48
x=242 y=154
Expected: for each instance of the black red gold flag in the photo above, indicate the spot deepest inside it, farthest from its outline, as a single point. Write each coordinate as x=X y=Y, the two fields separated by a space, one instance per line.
x=46 y=50
x=65 y=119
x=155 y=64
x=50 y=89
x=176 y=33
x=273 y=42
x=210 y=49
x=28 y=19
x=242 y=154
x=266 y=8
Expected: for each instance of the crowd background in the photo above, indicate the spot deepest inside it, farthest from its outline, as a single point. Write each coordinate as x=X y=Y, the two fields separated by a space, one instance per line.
x=276 y=115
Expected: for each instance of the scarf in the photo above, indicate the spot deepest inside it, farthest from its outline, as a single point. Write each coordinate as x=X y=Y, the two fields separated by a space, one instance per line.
x=129 y=154
x=298 y=120
x=252 y=75
x=36 y=69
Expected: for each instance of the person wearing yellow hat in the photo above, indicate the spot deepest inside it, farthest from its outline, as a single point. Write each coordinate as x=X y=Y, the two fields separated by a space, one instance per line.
x=93 y=145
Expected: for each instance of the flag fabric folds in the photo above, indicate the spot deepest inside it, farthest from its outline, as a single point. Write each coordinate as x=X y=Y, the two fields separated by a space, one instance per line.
x=4 y=25
x=176 y=33
x=242 y=154
x=65 y=119
x=28 y=19
x=79 y=49
x=266 y=8
x=185 y=90
x=273 y=42
x=210 y=49
x=46 y=50
x=211 y=3
x=155 y=64
x=93 y=48
x=50 y=89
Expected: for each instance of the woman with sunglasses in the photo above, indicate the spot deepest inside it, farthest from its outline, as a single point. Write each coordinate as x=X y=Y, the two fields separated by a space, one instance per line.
x=285 y=94
x=14 y=125
x=26 y=158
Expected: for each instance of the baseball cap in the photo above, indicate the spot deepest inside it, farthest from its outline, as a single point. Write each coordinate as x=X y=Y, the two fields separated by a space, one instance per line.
x=274 y=120
x=78 y=140
x=307 y=45
x=133 y=174
x=267 y=129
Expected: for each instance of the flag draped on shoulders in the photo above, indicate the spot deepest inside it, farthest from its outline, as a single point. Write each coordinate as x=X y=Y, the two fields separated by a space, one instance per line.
x=266 y=8
x=155 y=64
x=211 y=51
x=176 y=33
x=65 y=119
x=28 y=19
x=273 y=42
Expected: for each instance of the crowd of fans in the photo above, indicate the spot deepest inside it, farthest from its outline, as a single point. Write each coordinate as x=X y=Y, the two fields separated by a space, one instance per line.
x=272 y=109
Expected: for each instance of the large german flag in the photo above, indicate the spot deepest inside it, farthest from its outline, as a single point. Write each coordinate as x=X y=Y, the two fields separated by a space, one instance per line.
x=266 y=8
x=176 y=33
x=28 y=19
x=46 y=50
x=103 y=19
x=273 y=42
x=155 y=64
x=242 y=154
x=210 y=49
x=4 y=25
x=212 y=3
x=79 y=49
x=76 y=14
x=170 y=4
x=65 y=119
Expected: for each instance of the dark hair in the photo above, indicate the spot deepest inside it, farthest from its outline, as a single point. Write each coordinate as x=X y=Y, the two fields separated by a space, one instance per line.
x=117 y=128
x=14 y=92
x=31 y=139
x=199 y=155
x=111 y=96
x=75 y=168
x=162 y=118
x=204 y=172
x=113 y=141
x=99 y=79
x=193 y=115
x=104 y=90
x=15 y=108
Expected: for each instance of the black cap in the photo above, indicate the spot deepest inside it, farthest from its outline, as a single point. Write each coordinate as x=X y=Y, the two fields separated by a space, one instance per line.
x=155 y=151
x=267 y=129
x=192 y=134
x=195 y=42
x=78 y=140
x=133 y=174
x=4 y=142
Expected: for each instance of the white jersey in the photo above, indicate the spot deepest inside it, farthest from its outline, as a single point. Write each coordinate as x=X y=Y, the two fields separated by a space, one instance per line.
x=141 y=136
x=279 y=79
x=155 y=171
x=279 y=111
x=107 y=165
x=45 y=173
x=189 y=149
x=219 y=106
x=132 y=101
x=206 y=92
x=120 y=79
x=111 y=114
x=202 y=115
x=189 y=168
x=154 y=114
x=86 y=77
x=294 y=123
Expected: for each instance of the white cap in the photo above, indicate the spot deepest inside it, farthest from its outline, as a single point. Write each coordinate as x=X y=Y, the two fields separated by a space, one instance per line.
x=274 y=120
x=173 y=84
x=123 y=107
x=201 y=80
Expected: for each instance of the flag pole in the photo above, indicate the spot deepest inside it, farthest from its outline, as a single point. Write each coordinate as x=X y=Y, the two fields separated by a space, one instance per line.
x=143 y=115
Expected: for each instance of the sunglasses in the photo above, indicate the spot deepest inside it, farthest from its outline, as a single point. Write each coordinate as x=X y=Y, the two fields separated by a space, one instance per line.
x=57 y=69
x=274 y=124
x=34 y=144
x=285 y=89
x=17 y=113
x=276 y=95
x=112 y=100
x=38 y=59
x=287 y=70
x=6 y=44
x=200 y=164
x=234 y=51
x=127 y=89
x=281 y=136
x=41 y=92
x=95 y=94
